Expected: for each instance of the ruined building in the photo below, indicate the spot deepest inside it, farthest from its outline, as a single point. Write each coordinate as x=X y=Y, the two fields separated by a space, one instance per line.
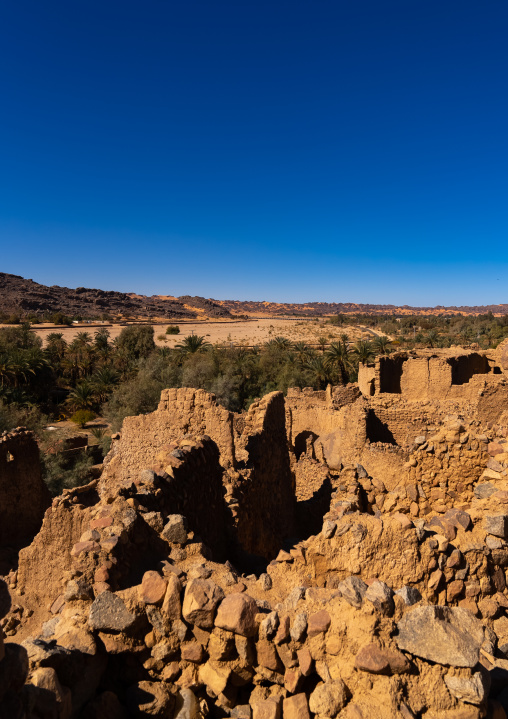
x=329 y=554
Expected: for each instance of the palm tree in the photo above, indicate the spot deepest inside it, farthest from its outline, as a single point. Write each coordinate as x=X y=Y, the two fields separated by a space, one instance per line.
x=363 y=351
x=316 y=365
x=101 y=342
x=381 y=345
x=84 y=339
x=322 y=341
x=192 y=344
x=432 y=338
x=103 y=382
x=302 y=351
x=56 y=345
x=337 y=356
x=7 y=370
x=279 y=343
x=82 y=396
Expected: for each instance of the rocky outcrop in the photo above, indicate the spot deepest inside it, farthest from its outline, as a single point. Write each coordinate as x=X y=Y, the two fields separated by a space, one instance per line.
x=20 y=296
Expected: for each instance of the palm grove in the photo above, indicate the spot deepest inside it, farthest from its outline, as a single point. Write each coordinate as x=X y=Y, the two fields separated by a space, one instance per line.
x=93 y=375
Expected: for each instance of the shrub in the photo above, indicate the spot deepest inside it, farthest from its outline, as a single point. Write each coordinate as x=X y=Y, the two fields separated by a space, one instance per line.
x=82 y=416
x=173 y=330
x=61 y=472
x=136 y=340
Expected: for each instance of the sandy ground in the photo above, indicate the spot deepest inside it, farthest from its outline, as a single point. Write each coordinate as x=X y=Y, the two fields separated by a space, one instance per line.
x=249 y=333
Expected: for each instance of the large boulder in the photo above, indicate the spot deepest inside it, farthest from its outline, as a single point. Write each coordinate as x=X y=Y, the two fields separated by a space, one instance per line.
x=445 y=635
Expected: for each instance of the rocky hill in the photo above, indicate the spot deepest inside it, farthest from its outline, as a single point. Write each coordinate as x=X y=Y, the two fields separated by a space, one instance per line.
x=24 y=297
x=21 y=296
x=317 y=309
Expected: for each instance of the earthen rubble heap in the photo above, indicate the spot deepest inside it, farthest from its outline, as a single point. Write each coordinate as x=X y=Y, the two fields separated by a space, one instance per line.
x=330 y=554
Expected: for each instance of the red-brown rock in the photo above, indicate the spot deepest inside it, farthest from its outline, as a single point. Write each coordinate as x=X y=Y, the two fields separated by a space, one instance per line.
x=237 y=613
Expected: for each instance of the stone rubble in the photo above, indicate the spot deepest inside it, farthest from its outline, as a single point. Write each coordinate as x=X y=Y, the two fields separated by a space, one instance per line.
x=185 y=584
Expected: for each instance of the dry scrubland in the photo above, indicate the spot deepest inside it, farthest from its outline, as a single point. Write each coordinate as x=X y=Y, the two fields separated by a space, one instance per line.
x=249 y=333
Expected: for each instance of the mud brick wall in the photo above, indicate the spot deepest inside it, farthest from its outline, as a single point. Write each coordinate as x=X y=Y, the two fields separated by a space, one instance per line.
x=195 y=489
x=180 y=412
x=23 y=495
x=264 y=506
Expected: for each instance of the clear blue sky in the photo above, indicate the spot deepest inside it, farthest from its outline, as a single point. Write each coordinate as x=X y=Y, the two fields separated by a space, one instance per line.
x=282 y=150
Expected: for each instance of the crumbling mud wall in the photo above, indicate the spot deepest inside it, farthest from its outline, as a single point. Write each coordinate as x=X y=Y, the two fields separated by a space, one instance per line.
x=189 y=481
x=197 y=411
x=264 y=491
x=346 y=435
x=430 y=374
x=23 y=495
x=316 y=411
x=181 y=412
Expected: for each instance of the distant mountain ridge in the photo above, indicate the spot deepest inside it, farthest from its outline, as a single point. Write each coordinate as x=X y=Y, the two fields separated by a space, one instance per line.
x=26 y=297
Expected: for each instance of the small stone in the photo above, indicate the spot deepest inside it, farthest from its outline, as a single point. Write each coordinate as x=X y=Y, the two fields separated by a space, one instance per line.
x=293 y=679
x=454 y=559
x=283 y=631
x=472 y=690
x=353 y=590
x=267 y=655
x=269 y=625
x=192 y=652
x=318 y=623
x=201 y=599
x=409 y=595
x=305 y=661
x=454 y=590
x=445 y=635
x=109 y=613
x=84 y=548
x=328 y=529
x=375 y=660
x=77 y=589
x=435 y=580
x=171 y=605
x=299 y=627
x=265 y=582
x=153 y=588
x=175 y=530
x=215 y=676
x=296 y=707
x=497 y=525
x=381 y=596
x=268 y=709
x=237 y=613
x=328 y=698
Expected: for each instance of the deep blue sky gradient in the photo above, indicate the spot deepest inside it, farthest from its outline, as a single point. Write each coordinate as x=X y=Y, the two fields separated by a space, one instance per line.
x=282 y=150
